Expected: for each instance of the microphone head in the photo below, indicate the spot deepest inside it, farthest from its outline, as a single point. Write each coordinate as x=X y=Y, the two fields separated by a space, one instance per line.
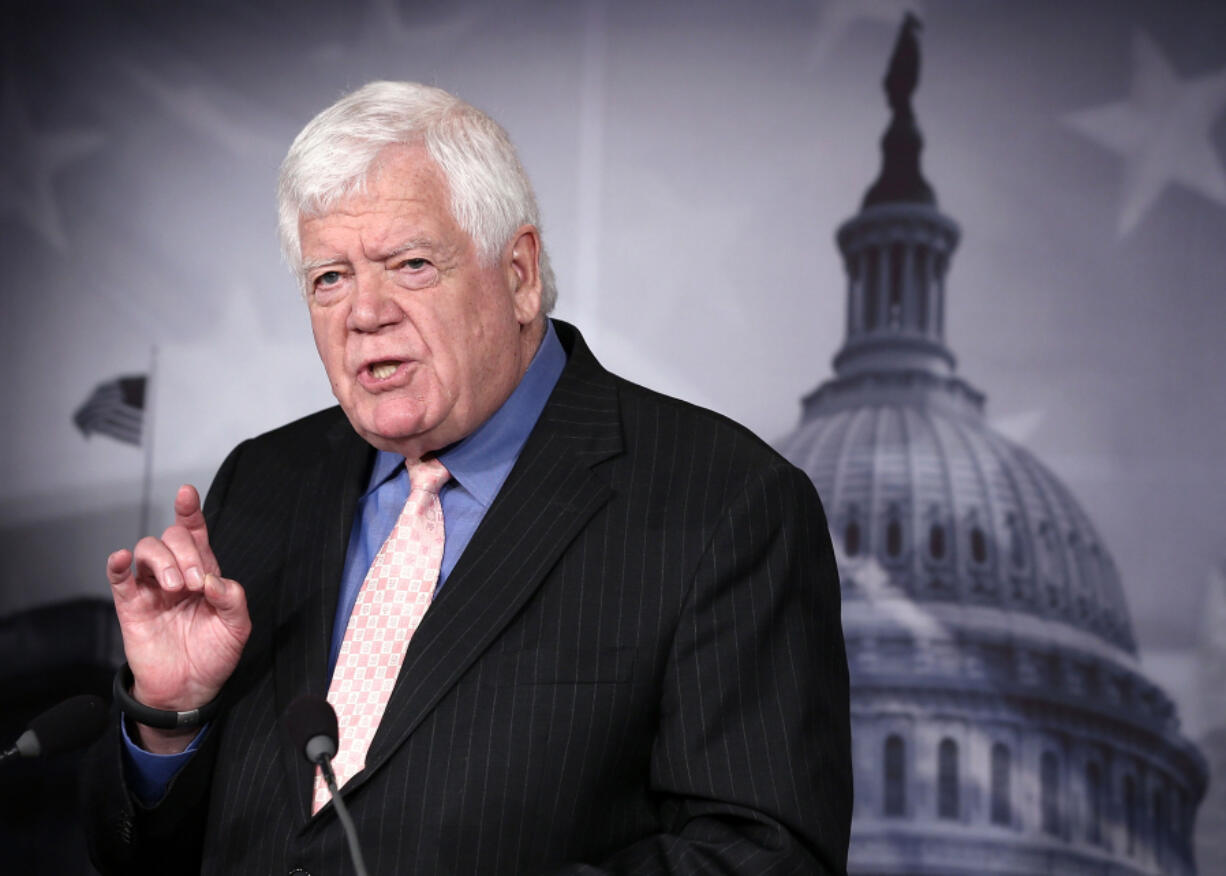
x=75 y=722
x=310 y=723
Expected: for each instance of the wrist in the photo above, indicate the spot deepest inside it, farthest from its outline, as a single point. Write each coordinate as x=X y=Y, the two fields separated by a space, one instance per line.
x=172 y=724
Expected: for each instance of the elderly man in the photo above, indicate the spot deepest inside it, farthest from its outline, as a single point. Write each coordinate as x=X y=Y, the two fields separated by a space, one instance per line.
x=631 y=660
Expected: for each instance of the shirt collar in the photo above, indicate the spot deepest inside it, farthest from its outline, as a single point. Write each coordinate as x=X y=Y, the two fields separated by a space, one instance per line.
x=481 y=462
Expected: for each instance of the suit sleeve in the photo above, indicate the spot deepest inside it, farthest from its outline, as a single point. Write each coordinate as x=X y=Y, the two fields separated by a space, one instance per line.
x=752 y=760
x=124 y=835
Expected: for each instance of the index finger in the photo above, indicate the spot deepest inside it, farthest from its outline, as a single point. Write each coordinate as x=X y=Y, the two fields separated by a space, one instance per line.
x=119 y=567
x=189 y=515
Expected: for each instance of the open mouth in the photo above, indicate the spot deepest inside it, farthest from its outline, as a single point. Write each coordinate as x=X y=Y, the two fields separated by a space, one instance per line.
x=382 y=370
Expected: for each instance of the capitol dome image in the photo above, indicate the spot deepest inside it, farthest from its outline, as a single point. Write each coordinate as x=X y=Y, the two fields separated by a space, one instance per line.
x=1001 y=720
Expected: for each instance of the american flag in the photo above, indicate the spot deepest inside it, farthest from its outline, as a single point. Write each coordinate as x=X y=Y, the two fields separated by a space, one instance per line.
x=115 y=408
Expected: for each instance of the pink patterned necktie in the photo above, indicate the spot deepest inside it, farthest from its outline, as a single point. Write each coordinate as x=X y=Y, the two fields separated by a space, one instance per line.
x=394 y=598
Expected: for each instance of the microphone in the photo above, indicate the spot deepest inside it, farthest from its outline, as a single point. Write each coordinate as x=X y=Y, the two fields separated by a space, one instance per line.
x=310 y=722
x=75 y=722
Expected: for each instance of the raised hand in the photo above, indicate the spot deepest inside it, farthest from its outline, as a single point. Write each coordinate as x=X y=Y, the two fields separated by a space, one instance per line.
x=184 y=625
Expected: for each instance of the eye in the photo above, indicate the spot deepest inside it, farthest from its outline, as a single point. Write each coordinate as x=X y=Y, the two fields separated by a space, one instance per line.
x=327 y=285
x=416 y=273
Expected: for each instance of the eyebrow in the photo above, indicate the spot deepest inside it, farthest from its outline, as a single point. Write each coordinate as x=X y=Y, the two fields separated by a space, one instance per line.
x=419 y=242
x=316 y=264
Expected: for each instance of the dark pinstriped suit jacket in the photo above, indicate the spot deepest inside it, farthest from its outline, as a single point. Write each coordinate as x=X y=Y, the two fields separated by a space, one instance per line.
x=637 y=665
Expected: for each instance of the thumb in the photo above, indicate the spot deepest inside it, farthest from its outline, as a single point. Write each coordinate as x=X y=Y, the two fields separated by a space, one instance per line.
x=230 y=602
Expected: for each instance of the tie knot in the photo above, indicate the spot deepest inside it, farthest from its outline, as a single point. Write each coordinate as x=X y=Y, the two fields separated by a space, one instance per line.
x=427 y=474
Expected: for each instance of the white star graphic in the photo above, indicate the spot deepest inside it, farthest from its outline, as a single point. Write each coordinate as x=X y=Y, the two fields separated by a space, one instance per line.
x=1020 y=427
x=207 y=110
x=836 y=18
x=384 y=27
x=1162 y=131
x=32 y=161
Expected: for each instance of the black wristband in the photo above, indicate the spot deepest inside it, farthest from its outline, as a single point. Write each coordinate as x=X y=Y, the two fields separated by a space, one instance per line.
x=162 y=719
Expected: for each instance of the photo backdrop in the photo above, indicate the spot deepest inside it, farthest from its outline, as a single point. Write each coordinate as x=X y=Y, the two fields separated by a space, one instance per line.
x=692 y=161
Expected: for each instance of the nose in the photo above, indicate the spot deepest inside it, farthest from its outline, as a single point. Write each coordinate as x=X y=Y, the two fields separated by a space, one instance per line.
x=374 y=304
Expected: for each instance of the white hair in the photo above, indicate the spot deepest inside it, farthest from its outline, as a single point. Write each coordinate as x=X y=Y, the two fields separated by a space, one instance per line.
x=332 y=157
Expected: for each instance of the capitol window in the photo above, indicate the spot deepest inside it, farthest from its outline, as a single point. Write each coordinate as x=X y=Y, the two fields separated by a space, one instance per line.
x=870 y=297
x=894 y=534
x=936 y=541
x=979 y=546
x=1130 y=815
x=1017 y=547
x=851 y=538
x=1102 y=574
x=1001 y=809
x=1049 y=792
x=1094 y=804
x=895 y=773
x=947 y=779
x=896 y=258
x=1159 y=832
x=893 y=538
x=1179 y=830
x=1048 y=568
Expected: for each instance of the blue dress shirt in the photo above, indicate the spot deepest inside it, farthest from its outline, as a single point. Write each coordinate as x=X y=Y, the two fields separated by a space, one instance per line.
x=479 y=464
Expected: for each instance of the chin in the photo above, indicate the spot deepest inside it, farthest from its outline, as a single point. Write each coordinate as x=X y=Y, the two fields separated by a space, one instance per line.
x=396 y=430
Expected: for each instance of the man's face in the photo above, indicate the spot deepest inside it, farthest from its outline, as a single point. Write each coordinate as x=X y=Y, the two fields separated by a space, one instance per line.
x=421 y=340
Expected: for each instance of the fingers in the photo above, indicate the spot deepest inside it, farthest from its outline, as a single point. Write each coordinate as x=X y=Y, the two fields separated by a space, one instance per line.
x=190 y=516
x=179 y=561
x=155 y=563
x=191 y=566
x=174 y=561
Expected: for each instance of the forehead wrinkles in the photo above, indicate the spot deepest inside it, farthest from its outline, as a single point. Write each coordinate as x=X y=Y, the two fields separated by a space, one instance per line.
x=342 y=237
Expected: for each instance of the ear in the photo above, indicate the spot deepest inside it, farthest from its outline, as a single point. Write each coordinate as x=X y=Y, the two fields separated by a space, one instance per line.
x=521 y=261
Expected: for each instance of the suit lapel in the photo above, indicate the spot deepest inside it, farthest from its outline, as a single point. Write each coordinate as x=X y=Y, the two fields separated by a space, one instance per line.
x=549 y=497
x=302 y=633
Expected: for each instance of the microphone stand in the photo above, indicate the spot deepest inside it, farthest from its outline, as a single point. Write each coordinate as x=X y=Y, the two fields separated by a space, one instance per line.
x=310 y=723
x=342 y=812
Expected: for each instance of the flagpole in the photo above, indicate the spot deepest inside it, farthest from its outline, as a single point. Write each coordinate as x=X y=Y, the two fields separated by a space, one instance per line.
x=147 y=444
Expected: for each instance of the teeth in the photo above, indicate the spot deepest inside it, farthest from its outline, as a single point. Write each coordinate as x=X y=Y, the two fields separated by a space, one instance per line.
x=383 y=370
